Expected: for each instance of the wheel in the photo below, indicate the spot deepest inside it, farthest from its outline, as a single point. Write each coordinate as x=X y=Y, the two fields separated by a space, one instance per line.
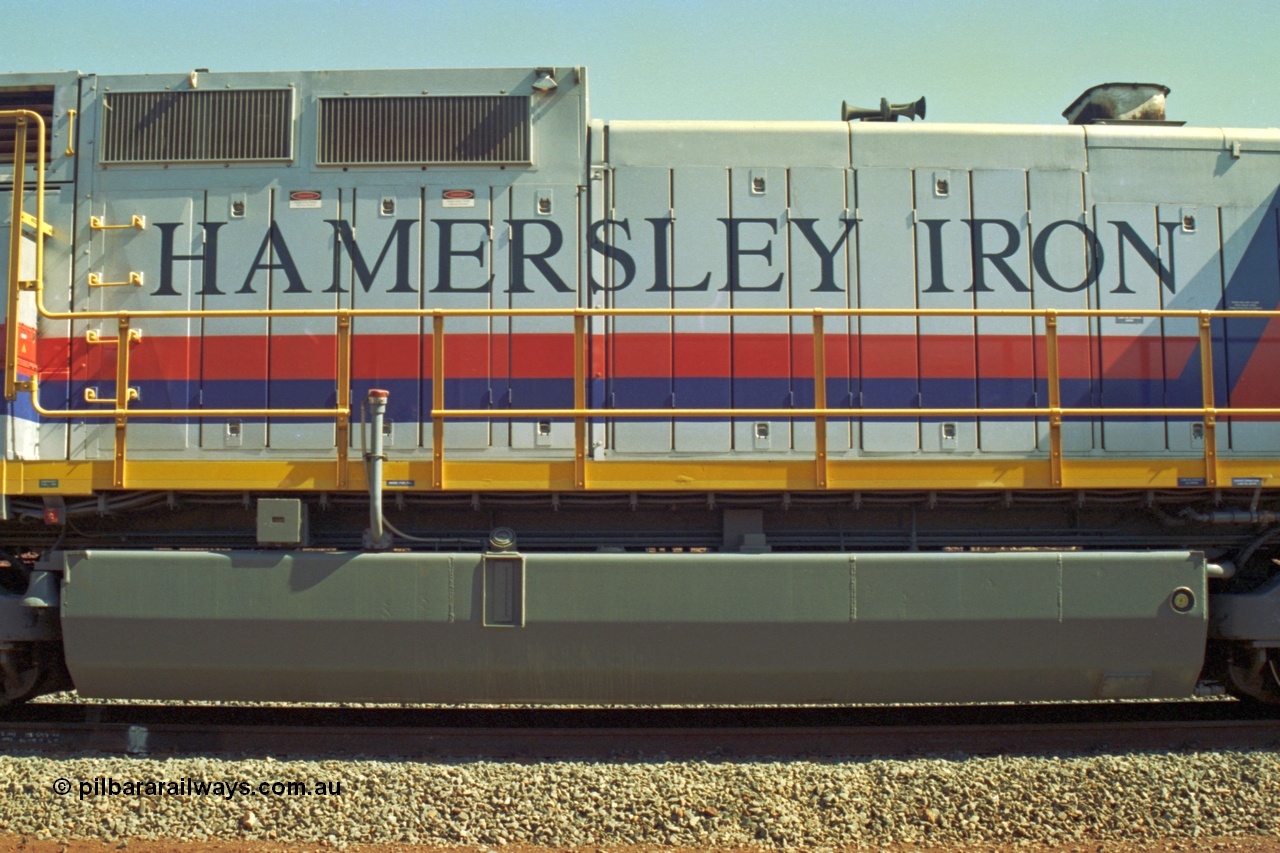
x=1255 y=674
x=21 y=674
x=28 y=670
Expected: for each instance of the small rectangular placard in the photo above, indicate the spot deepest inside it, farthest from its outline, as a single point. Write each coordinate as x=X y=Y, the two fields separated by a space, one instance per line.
x=458 y=198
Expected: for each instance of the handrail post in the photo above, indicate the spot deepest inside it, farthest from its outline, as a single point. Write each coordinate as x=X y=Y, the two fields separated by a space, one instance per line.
x=1210 y=412
x=821 y=472
x=123 y=340
x=437 y=401
x=579 y=399
x=343 y=425
x=15 y=260
x=1055 y=399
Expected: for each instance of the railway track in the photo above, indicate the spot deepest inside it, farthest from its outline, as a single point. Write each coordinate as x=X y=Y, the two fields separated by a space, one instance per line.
x=621 y=734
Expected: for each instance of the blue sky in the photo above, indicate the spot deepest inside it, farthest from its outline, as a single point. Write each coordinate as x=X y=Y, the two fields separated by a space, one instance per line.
x=975 y=60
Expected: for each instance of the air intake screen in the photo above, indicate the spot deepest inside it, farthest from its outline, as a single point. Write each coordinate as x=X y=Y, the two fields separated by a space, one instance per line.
x=37 y=100
x=424 y=130
x=197 y=127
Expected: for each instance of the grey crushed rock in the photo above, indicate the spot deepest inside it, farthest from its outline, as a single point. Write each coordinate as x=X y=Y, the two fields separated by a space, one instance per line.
x=793 y=803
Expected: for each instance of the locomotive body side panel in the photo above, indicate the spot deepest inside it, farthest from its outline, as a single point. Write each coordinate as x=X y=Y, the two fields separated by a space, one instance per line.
x=701 y=216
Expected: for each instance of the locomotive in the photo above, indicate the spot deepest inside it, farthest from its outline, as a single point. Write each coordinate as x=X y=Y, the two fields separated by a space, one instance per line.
x=426 y=386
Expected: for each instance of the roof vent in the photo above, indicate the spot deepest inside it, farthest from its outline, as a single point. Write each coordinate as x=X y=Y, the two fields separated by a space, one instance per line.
x=1111 y=103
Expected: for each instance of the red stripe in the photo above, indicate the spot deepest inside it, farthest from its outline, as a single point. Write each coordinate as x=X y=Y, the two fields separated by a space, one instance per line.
x=541 y=356
x=1006 y=356
x=702 y=355
x=1132 y=358
x=53 y=355
x=384 y=356
x=166 y=359
x=303 y=357
x=948 y=357
x=650 y=355
x=763 y=356
x=465 y=356
x=499 y=358
x=889 y=356
x=641 y=355
x=158 y=358
x=841 y=356
x=1075 y=357
x=235 y=357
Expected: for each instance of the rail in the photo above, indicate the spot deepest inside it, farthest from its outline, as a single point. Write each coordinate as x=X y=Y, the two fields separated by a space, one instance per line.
x=120 y=408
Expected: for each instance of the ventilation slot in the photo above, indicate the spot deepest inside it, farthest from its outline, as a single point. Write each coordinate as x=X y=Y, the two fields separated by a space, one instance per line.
x=424 y=130
x=37 y=99
x=198 y=127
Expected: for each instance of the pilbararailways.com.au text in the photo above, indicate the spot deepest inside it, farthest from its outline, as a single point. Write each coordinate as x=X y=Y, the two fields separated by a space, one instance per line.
x=103 y=786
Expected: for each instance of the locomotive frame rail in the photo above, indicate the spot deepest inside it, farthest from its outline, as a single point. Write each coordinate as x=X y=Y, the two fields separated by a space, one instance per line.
x=588 y=474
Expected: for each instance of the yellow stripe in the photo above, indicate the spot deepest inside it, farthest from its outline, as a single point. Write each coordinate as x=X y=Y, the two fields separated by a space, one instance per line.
x=496 y=475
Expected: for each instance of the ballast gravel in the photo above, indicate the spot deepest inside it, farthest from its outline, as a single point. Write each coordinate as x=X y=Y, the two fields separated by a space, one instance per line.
x=926 y=801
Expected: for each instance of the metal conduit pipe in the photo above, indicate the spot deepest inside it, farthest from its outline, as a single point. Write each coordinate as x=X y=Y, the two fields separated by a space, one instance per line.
x=376 y=537
x=1223 y=570
x=1232 y=516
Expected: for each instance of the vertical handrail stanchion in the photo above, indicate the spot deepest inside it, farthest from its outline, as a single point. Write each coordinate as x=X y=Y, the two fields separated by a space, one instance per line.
x=123 y=340
x=15 y=260
x=437 y=401
x=343 y=426
x=1055 y=399
x=1210 y=411
x=40 y=226
x=579 y=399
x=820 y=400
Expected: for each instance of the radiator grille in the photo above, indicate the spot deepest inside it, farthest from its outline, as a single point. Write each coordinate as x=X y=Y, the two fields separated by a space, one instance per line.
x=197 y=127
x=37 y=99
x=424 y=130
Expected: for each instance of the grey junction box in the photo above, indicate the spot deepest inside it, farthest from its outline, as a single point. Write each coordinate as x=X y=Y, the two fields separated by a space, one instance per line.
x=281 y=521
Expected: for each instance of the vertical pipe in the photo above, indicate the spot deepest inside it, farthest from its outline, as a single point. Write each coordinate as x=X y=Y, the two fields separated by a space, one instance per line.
x=377 y=538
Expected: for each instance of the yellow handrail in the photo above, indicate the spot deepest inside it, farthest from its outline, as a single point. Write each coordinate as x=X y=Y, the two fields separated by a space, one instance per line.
x=19 y=218
x=353 y=313
x=121 y=410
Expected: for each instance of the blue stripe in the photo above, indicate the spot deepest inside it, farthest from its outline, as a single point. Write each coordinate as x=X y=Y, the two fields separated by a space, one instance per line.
x=410 y=398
